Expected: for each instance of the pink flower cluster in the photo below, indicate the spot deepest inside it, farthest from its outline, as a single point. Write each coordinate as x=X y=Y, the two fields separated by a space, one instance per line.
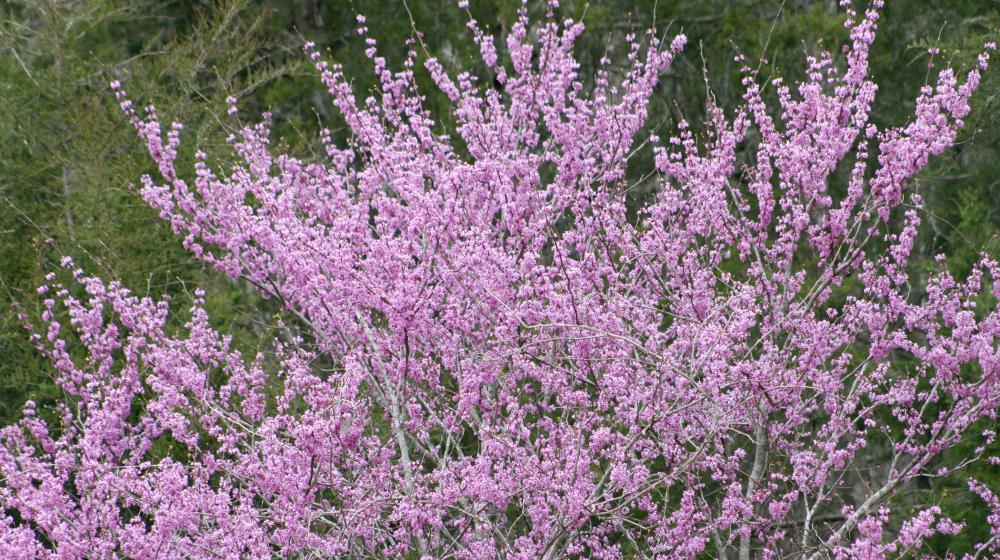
x=522 y=367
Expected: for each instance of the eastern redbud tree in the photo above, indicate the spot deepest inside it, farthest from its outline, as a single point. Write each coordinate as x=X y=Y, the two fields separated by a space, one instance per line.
x=744 y=366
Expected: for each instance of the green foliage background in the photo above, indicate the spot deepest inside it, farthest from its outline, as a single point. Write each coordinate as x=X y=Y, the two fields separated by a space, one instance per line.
x=67 y=155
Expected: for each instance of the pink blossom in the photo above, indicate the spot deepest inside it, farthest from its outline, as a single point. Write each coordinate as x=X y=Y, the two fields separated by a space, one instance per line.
x=486 y=356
